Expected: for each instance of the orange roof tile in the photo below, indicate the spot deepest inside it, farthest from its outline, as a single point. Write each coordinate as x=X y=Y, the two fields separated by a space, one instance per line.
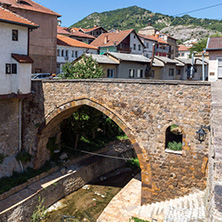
x=146 y=37
x=92 y=29
x=157 y=39
x=10 y=17
x=81 y=34
x=29 y=5
x=113 y=38
x=22 y=58
x=63 y=30
x=66 y=41
x=183 y=48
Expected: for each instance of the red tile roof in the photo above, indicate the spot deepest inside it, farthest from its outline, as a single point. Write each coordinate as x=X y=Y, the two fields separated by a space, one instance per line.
x=81 y=34
x=214 y=43
x=153 y=38
x=29 y=5
x=22 y=58
x=66 y=41
x=92 y=29
x=10 y=17
x=63 y=30
x=183 y=48
x=113 y=38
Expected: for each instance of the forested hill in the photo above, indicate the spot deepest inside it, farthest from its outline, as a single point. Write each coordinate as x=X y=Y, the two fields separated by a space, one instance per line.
x=137 y=18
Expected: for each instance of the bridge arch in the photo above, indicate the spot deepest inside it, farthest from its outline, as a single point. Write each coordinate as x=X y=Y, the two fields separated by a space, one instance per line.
x=63 y=111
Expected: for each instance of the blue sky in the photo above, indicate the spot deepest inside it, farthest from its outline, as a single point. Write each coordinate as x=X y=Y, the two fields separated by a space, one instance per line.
x=72 y=10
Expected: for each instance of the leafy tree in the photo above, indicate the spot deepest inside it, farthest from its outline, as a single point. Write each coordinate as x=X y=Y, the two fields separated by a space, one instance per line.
x=198 y=47
x=86 y=68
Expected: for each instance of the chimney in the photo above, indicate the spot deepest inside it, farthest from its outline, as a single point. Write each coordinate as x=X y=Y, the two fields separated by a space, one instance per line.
x=106 y=39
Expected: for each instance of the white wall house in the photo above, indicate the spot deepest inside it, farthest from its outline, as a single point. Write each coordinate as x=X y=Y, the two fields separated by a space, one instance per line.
x=214 y=48
x=69 y=49
x=136 y=45
x=15 y=64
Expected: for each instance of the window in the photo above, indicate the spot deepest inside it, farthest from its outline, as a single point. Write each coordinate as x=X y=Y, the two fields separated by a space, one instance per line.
x=110 y=73
x=14 y=68
x=140 y=73
x=73 y=53
x=139 y=47
x=171 y=72
x=147 y=45
x=134 y=46
x=76 y=54
x=131 y=73
x=7 y=68
x=67 y=53
x=14 y=35
x=62 y=54
x=178 y=71
x=58 y=52
x=182 y=54
x=10 y=68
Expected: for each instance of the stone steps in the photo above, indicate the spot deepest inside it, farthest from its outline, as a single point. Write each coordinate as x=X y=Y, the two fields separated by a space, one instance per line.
x=189 y=208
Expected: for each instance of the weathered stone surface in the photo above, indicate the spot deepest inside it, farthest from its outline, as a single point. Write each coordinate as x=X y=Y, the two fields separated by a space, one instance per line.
x=144 y=110
x=9 y=165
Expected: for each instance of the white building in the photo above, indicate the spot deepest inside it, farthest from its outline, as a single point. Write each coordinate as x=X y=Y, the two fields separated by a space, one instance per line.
x=183 y=51
x=15 y=63
x=69 y=49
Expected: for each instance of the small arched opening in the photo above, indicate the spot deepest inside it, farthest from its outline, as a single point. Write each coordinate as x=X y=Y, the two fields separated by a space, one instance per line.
x=174 y=138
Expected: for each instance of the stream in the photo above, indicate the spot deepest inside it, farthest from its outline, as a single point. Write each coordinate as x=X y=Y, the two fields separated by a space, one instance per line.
x=88 y=202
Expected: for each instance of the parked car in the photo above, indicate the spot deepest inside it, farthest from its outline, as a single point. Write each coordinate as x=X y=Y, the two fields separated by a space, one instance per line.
x=43 y=76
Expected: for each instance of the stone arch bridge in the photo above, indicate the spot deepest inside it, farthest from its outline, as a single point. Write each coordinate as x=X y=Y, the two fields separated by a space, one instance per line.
x=144 y=110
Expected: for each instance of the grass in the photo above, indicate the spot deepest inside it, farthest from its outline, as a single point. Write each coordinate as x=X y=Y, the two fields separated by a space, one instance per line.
x=133 y=163
x=174 y=146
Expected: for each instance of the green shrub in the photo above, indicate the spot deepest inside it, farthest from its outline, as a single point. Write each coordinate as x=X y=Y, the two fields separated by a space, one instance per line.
x=40 y=212
x=24 y=157
x=174 y=145
x=133 y=163
x=135 y=219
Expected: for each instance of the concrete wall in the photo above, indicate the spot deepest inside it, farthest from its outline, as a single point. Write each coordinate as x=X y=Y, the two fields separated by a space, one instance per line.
x=43 y=40
x=165 y=72
x=144 y=110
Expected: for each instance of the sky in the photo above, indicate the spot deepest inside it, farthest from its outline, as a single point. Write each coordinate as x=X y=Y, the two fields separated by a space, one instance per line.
x=74 y=10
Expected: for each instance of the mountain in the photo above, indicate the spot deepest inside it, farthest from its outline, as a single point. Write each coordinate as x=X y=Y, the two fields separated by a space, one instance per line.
x=137 y=18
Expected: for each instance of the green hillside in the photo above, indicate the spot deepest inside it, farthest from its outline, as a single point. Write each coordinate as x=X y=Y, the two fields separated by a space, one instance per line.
x=137 y=18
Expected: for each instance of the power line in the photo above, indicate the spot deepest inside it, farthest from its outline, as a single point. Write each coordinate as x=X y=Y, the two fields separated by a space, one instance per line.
x=97 y=154
x=196 y=10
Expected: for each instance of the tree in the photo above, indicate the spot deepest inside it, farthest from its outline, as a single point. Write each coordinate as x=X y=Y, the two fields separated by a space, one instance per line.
x=198 y=47
x=86 y=68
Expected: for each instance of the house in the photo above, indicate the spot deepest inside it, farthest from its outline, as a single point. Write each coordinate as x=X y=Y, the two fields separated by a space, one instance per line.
x=149 y=44
x=172 y=42
x=95 y=31
x=42 y=44
x=15 y=62
x=126 y=41
x=109 y=65
x=183 y=51
x=197 y=67
x=161 y=48
x=214 y=48
x=122 y=65
x=75 y=34
x=15 y=84
x=164 y=68
x=69 y=49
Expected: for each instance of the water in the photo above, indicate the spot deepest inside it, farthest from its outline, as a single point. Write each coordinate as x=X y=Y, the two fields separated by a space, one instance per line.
x=87 y=203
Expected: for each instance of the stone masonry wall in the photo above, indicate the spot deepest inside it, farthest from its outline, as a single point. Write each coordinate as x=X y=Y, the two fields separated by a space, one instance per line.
x=144 y=110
